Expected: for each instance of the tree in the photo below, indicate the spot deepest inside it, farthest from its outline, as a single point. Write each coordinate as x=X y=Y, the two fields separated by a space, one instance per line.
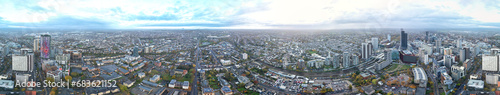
x=374 y=81
x=173 y=77
x=50 y=79
x=68 y=78
x=74 y=74
x=52 y=92
x=350 y=87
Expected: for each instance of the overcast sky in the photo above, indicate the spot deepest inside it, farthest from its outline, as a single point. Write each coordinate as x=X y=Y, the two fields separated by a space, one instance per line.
x=249 y=14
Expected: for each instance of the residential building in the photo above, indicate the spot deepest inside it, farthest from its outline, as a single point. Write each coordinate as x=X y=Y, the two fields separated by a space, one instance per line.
x=346 y=56
x=207 y=91
x=7 y=84
x=36 y=44
x=155 y=78
x=45 y=46
x=226 y=90
x=185 y=85
x=172 y=83
x=141 y=75
x=225 y=62
x=366 y=50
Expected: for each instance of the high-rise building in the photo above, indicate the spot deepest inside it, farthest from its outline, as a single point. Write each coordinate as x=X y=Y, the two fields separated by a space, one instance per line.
x=135 y=52
x=459 y=43
x=389 y=37
x=149 y=49
x=22 y=62
x=404 y=40
x=447 y=51
x=476 y=50
x=19 y=63
x=366 y=51
x=426 y=36
x=464 y=54
x=490 y=63
x=63 y=58
x=5 y=51
x=355 y=60
x=36 y=44
x=438 y=44
x=447 y=61
x=31 y=61
x=375 y=43
x=336 y=60
x=45 y=46
x=346 y=56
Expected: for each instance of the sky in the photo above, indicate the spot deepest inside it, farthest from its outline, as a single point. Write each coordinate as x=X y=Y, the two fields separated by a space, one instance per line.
x=249 y=14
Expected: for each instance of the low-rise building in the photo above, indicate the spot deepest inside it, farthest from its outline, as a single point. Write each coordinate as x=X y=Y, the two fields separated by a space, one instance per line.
x=226 y=90
x=155 y=78
x=141 y=75
x=243 y=79
x=475 y=84
x=207 y=91
x=128 y=83
x=420 y=76
x=172 y=83
x=145 y=89
x=185 y=85
x=7 y=84
x=446 y=79
x=225 y=62
x=492 y=78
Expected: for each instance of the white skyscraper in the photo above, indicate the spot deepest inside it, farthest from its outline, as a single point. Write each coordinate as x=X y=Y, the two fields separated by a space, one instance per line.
x=490 y=63
x=36 y=44
x=388 y=37
x=20 y=63
x=459 y=43
x=375 y=43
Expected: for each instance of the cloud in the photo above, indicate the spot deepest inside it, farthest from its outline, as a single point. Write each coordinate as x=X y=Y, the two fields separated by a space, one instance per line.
x=316 y=14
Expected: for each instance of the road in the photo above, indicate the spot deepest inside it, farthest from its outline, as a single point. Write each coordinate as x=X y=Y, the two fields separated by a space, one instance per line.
x=194 y=88
x=433 y=79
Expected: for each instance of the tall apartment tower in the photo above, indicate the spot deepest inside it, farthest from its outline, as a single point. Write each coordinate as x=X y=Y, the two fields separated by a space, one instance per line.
x=36 y=44
x=366 y=51
x=404 y=40
x=375 y=43
x=45 y=46
x=346 y=56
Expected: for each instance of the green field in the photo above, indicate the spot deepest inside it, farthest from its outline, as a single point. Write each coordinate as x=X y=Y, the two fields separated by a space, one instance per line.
x=397 y=67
